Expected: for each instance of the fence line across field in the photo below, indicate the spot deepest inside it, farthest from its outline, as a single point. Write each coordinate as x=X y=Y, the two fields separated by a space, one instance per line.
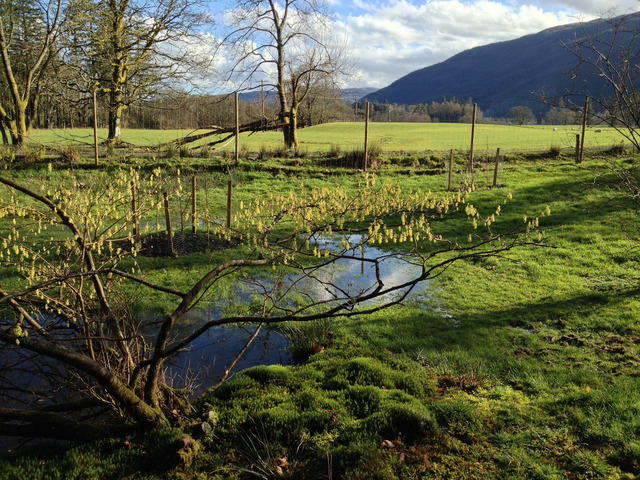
x=190 y=218
x=390 y=138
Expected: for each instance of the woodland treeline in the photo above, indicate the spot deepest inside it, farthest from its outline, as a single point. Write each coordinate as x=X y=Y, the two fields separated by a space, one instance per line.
x=177 y=111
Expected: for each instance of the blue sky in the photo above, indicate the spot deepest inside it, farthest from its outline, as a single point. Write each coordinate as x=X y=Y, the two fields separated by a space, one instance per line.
x=391 y=38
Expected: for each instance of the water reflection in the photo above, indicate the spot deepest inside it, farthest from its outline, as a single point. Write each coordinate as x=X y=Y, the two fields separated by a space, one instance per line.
x=354 y=273
x=205 y=361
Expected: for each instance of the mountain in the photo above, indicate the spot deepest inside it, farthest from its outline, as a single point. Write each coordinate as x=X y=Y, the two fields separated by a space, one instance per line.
x=504 y=74
x=348 y=95
x=352 y=94
x=255 y=96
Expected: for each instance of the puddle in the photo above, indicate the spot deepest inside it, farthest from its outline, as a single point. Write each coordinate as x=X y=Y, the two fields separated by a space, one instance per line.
x=206 y=360
x=357 y=274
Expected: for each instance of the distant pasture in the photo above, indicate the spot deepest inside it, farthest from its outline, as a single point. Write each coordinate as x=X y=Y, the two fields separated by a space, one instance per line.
x=390 y=137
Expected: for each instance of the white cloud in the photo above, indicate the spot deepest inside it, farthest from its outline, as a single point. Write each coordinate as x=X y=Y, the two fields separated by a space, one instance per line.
x=593 y=7
x=396 y=37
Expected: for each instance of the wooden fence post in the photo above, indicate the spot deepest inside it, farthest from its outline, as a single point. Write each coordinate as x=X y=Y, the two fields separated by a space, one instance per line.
x=473 y=136
x=194 y=209
x=366 y=138
x=584 y=126
x=263 y=118
x=134 y=212
x=167 y=216
x=237 y=129
x=449 y=183
x=577 y=148
x=495 y=172
x=95 y=127
x=229 y=193
x=207 y=219
x=181 y=211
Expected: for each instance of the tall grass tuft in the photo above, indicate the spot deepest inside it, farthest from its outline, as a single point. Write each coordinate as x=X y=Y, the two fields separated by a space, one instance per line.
x=185 y=151
x=243 y=151
x=554 y=151
x=355 y=158
x=170 y=150
x=336 y=151
x=70 y=153
x=264 y=153
x=205 y=151
x=31 y=153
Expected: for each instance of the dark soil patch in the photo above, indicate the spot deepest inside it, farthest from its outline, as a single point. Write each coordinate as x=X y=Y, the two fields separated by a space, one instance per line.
x=156 y=244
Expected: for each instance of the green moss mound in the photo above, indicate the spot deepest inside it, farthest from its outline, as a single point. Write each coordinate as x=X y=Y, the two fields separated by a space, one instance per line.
x=339 y=404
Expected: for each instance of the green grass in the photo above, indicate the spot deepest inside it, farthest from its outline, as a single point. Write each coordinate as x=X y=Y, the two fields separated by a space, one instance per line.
x=391 y=137
x=518 y=367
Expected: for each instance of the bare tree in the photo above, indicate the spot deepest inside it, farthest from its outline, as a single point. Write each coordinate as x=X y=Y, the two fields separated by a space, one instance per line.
x=607 y=71
x=128 y=49
x=607 y=75
x=323 y=104
x=70 y=253
x=289 y=46
x=28 y=35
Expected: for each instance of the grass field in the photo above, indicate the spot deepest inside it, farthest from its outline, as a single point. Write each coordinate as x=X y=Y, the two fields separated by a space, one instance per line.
x=517 y=367
x=391 y=137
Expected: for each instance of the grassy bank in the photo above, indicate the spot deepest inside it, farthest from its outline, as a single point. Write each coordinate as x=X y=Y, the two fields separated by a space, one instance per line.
x=522 y=366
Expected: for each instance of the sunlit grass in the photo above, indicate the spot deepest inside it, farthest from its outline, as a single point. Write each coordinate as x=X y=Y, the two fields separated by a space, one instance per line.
x=391 y=137
x=535 y=354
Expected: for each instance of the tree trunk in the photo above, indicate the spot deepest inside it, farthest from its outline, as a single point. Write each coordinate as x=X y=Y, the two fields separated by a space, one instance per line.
x=3 y=131
x=123 y=395
x=22 y=130
x=24 y=95
x=115 y=117
x=290 y=129
x=119 y=73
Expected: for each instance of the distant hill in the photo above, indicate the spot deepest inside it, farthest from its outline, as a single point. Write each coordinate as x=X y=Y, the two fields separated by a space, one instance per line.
x=353 y=94
x=501 y=75
x=349 y=95
x=255 y=96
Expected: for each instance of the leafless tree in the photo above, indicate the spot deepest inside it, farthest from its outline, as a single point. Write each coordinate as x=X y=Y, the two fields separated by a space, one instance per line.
x=28 y=43
x=289 y=46
x=607 y=72
x=129 y=49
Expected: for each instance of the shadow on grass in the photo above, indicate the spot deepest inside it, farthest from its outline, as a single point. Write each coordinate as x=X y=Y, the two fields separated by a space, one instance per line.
x=577 y=321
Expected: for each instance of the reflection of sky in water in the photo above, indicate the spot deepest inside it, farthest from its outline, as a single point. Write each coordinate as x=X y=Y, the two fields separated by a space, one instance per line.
x=212 y=353
x=355 y=276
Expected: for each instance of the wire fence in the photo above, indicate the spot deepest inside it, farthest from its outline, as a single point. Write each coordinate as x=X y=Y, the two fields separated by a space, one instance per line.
x=199 y=210
x=392 y=129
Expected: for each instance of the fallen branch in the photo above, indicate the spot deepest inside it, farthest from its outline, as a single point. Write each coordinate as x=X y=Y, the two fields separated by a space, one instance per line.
x=253 y=127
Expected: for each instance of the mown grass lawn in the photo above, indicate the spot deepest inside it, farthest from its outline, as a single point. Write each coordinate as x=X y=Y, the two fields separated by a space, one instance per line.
x=524 y=366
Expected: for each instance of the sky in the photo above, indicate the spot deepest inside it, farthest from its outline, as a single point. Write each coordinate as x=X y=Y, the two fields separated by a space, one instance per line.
x=391 y=38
